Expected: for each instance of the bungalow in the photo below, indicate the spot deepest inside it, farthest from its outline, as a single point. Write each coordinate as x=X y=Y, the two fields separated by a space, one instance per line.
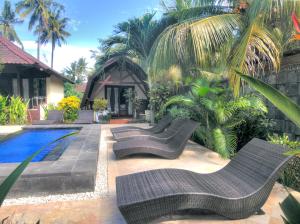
x=25 y=76
x=117 y=76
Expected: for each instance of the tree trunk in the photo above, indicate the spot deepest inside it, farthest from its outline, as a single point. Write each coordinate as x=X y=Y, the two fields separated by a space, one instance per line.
x=38 y=44
x=52 y=53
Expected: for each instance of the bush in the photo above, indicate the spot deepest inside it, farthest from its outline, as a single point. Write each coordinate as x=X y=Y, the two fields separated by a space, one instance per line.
x=49 y=107
x=17 y=110
x=70 y=105
x=159 y=94
x=255 y=125
x=100 y=104
x=291 y=175
x=3 y=110
x=177 y=112
x=69 y=90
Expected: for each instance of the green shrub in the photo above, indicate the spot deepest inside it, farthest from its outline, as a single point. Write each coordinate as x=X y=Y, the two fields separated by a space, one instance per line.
x=159 y=94
x=177 y=112
x=17 y=110
x=3 y=110
x=291 y=175
x=100 y=104
x=70 y=105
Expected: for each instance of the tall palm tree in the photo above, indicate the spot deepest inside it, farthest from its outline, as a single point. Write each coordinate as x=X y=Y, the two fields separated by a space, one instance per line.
x=55 y=31
x=7 y=21
x=38 y=10
x=249 y=37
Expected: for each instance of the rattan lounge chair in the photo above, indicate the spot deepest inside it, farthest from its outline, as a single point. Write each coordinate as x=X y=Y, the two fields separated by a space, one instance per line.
x=237 y=191
x=54 y=117
x=159 y=127
x=169 y=148
x=174 y=127
x=85 y=117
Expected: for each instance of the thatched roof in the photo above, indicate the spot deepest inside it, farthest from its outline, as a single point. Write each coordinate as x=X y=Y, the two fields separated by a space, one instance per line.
x=123 y=62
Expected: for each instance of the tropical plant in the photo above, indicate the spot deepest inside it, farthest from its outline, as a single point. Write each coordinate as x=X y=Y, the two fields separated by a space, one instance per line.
x=7 y=21
x=39 y=12
x=69 y=90
x=134 y=39
x=55 y=31
x=70 y=105
x=100 y=104
x=159 y=94
x=77 y=70
x=9 y=181
x=17 y=110
x=3 y=110
x=291 y=207
x=218 y=113
x=251 y=39
x=278 y=99
x=48 y=108
x=290 y=177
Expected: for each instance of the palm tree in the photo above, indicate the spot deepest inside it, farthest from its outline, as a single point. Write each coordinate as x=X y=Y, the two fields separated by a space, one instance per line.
x=134 y=38
x=55 y=31
x=38 y=10
x=77 y=70
x=249 y=37
x=7 y=21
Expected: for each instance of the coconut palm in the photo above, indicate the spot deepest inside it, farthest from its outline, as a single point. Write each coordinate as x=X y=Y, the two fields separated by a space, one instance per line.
x=134 y=38
x=77 y=70
x=55 y=31
x=218 y=113
x=38 y=10
x=7 y=21
x=250 y=37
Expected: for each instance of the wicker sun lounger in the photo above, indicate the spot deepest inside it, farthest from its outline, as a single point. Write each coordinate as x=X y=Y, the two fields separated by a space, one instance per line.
x=163 y=136
x=169 y=149
x=54 y=117
x=159 y=127
x=237 y=191
x=85 y=117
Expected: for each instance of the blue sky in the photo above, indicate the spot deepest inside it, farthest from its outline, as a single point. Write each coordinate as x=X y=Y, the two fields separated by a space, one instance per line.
x=89 y=21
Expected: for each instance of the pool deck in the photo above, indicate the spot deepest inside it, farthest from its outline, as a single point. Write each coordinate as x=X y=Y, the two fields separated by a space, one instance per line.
x=104 y=209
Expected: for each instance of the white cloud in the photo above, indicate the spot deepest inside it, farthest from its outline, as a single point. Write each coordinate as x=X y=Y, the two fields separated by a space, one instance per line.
x=63 y=56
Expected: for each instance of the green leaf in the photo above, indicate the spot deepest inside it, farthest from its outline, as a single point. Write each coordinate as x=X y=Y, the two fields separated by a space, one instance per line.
x=291 y=209
x=279 y=100
x=293 y=153
x=9 y=181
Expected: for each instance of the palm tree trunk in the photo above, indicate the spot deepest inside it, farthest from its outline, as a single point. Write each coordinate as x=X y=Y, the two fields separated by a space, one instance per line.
x=52 y=53
x=38 y=44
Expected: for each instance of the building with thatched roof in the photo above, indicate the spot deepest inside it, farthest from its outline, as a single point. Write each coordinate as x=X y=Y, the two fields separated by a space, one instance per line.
x=116 y=77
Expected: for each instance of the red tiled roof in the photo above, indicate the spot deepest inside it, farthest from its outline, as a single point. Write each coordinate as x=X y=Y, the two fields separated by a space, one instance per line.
x=12 y=54
x=81 y=87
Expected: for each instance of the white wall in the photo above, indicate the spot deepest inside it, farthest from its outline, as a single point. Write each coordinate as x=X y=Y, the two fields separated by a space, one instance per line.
x=55 y=90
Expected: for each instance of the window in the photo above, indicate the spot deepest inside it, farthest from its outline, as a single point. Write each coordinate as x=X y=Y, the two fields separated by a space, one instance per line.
x=39 y=86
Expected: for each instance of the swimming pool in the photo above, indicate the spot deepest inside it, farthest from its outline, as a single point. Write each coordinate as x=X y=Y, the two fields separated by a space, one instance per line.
x=19 y=147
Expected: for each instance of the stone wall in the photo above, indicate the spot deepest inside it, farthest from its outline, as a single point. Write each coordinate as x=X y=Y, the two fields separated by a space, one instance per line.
x=288 y=82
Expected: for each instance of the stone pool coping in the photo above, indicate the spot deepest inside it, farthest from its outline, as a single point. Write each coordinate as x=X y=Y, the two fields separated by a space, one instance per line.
x=74 y=172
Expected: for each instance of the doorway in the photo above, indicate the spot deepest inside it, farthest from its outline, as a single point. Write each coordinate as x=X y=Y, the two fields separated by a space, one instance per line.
x=118 y=104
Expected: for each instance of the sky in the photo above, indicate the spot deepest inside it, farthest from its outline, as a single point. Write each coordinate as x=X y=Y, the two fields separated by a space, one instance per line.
x=90 y=20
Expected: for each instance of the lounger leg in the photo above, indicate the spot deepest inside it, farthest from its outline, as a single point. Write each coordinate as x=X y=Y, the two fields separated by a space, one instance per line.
x=260 y=212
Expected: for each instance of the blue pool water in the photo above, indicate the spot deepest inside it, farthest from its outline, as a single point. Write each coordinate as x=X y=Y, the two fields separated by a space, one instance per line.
x=19 y=147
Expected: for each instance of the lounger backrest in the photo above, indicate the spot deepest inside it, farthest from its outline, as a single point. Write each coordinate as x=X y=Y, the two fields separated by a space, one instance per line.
x=258 y=162
x=87 y=115
x=172 y=129
x=179 y=140
x=162 y=124
x=55 y=115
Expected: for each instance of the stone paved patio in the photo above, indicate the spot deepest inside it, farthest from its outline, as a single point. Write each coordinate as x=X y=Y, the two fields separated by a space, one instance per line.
x=104 y=209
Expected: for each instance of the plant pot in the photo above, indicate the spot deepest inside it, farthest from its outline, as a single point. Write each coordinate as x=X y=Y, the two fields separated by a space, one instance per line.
x=148 y=115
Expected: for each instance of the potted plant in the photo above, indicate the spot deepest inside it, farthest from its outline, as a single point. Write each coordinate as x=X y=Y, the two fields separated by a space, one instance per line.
x=99 y=106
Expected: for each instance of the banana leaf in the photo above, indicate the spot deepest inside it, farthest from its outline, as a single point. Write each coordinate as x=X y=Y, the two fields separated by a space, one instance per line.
x=9 y=181
x=278 y=99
